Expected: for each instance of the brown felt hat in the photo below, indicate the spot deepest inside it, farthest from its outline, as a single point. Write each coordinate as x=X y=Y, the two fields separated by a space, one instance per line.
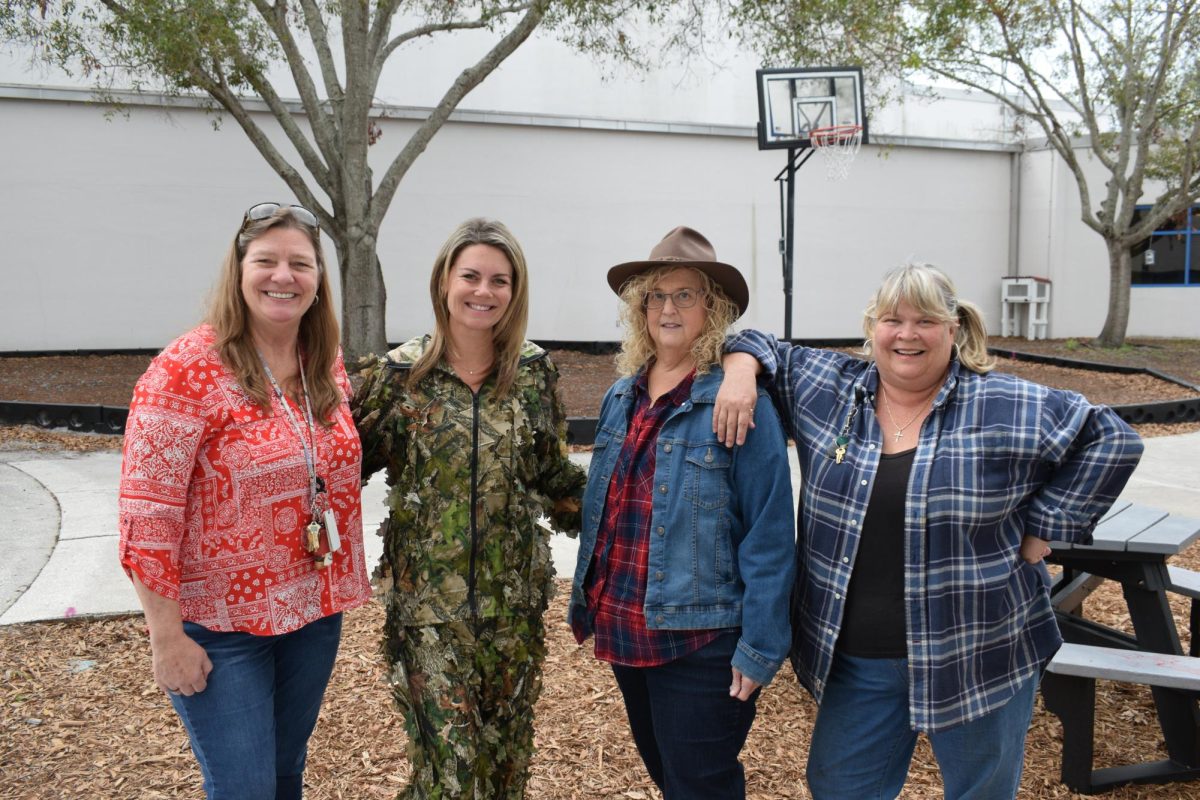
x=685 y=247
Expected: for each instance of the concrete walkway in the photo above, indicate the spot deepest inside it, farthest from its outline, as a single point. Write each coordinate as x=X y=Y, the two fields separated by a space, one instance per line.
x=59 y=525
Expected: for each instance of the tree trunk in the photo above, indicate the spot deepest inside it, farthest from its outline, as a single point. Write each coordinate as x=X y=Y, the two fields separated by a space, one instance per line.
x=1115 y=325
x=363 y=298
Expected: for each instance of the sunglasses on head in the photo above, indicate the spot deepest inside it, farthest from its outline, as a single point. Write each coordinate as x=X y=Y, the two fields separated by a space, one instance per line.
x=265 y=210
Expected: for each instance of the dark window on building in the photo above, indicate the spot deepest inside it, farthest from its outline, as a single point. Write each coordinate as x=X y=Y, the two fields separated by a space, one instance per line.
x=1172 y=253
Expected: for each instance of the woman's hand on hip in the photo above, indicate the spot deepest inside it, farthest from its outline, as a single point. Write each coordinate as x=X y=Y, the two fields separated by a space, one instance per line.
x=1033 y=550
x=742 y=687
x=733 y=411
x=180 y=665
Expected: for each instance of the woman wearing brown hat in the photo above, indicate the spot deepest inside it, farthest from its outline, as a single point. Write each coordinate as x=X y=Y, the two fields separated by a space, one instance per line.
x=684 y=560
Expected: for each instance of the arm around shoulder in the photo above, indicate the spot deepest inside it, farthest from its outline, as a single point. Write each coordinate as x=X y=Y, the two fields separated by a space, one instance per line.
x=560 y=479
x=370 y=407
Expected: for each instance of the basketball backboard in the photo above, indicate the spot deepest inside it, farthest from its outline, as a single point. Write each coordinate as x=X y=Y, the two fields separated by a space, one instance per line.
x=793 y=101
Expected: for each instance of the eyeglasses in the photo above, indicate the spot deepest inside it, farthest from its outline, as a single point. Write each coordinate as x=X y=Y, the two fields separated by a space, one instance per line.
x=684 y=298
x=265 y=210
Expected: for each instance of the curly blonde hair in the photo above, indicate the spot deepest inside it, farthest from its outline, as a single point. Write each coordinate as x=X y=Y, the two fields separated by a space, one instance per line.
x=931 y=292
x=637 y=348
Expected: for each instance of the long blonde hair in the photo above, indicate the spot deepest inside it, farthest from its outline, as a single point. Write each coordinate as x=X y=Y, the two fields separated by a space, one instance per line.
x=637 y=348
x=508 y=335
x=230 y=319
x=931 y=292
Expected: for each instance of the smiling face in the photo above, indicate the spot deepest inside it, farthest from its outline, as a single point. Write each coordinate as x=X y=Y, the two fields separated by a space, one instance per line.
x=478 y=289
x=911 y=349
x=279 y=279
x=672 y=329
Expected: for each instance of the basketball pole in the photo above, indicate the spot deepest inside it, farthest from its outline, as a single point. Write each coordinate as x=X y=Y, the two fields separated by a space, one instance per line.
x=787 y=203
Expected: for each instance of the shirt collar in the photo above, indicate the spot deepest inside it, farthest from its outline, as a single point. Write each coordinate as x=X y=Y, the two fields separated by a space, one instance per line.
x=676 y=397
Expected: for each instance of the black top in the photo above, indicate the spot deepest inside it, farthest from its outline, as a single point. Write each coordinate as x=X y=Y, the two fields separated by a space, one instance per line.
x=873 y=625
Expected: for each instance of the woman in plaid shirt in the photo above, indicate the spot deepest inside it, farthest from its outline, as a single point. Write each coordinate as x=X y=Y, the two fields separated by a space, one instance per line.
x=684 y=560
x=932 y=487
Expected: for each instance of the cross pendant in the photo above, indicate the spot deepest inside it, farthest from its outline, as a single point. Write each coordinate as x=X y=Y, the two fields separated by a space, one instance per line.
x=898 y=435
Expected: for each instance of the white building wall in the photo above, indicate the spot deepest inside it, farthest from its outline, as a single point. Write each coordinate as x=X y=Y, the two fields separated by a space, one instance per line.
x=112 y=230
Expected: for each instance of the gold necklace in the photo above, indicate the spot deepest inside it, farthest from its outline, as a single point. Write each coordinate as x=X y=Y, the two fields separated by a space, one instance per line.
x=484 y=368
x=920 y=410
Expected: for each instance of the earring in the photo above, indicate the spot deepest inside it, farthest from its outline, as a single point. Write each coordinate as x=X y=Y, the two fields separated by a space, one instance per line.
x=316 y=298
x=956 y=352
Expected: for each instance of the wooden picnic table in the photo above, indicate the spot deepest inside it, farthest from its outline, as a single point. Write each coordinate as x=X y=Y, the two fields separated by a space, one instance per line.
x=1131 y=545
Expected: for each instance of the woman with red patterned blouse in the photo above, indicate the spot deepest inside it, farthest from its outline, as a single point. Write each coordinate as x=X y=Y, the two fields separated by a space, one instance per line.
x=240 y=517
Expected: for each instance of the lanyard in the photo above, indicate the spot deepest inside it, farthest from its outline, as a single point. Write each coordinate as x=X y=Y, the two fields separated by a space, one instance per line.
x=843 y=438
x=309 y=446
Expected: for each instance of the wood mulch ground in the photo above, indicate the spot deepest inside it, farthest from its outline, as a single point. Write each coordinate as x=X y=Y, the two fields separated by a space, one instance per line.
x=80 y=717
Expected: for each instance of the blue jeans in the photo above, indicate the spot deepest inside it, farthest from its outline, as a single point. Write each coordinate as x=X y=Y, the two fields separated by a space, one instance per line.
x=862 y=743
x=687 y=728
x=249 y=728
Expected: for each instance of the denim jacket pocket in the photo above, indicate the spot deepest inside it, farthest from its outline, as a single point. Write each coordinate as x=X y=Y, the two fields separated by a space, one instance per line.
x=599 y=448
x=707 y=475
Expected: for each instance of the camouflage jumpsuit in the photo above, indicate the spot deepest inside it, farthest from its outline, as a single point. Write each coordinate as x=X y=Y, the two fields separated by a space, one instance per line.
x=466 y=569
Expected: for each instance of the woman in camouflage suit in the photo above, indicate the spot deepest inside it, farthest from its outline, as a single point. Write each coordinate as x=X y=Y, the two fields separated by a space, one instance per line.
x=473 y=436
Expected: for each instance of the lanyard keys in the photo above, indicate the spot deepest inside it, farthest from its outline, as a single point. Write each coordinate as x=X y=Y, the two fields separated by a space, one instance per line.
x=312 y=537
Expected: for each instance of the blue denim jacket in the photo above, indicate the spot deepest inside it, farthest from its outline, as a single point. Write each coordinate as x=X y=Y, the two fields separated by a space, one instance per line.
x=722 y=522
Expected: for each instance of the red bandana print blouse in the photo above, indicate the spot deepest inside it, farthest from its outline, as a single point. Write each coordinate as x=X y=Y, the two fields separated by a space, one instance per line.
x=214 y=498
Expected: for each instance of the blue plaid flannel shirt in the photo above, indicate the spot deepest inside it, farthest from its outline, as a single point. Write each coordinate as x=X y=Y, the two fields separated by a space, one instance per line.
x=999 y=458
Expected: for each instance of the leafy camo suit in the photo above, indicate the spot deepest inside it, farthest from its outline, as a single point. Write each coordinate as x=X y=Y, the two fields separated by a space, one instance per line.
x=466 y=570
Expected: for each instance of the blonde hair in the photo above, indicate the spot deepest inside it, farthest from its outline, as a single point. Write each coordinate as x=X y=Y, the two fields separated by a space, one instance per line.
x=931 y=292
x=637 y=348
x=508 y=335
x=230 y=319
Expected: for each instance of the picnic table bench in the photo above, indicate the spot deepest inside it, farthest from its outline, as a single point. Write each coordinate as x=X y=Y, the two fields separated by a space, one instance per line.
x=1130 y=545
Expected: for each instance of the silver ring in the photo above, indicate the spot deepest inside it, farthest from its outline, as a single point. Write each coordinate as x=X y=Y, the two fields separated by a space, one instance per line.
x=173 y=691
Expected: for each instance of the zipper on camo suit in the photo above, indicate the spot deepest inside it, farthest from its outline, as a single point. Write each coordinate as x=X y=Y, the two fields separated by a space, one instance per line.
x=471 y=601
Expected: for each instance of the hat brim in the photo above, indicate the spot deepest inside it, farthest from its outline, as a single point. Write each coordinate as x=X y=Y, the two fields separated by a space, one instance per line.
x=724 y=275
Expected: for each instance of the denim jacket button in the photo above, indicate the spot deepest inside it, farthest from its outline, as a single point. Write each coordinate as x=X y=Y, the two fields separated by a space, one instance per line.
x=661 y=530
x=658 y=576
x=659 y=618
x=708 y=456
x=663 y=489
x=667 y=447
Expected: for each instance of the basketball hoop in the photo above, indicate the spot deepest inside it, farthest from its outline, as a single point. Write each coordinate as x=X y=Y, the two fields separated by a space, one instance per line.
x=838 y=145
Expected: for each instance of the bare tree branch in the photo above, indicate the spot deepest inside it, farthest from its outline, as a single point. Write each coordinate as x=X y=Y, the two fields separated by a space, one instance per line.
x=450 y=25
x=466 y=81
x=275 y=15
x=318 y=34
x=219 y=89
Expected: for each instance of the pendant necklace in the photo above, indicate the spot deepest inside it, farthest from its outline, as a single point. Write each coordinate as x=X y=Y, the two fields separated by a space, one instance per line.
x=484 y=368
x=920 y=410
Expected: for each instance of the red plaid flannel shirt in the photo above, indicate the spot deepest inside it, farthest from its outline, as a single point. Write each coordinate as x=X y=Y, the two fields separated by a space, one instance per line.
x=616 y=582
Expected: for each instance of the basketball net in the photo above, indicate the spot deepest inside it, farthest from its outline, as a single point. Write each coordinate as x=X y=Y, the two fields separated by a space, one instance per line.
x=838 y=145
